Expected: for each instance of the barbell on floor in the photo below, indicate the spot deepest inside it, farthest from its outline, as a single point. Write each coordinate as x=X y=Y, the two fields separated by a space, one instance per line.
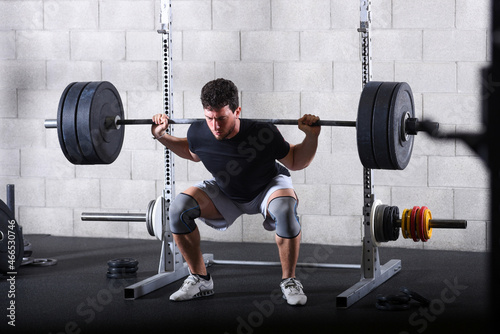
x=416 y=223
x=90 y=118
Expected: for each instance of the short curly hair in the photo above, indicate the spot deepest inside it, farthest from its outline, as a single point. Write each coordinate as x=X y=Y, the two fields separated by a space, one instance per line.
x=219 y=93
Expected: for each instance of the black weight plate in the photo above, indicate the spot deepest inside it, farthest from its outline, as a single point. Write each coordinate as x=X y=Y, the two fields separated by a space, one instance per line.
x=379 y=223
x=131 y=270
x=59 y=120
x=11 y=240
x=395 y=227
x=98 y=101
x=123 y=263
x=119 y=276
x=364 y=124
x=380 y=123
x=67 y=123
x=402 y=103
x=387 y=224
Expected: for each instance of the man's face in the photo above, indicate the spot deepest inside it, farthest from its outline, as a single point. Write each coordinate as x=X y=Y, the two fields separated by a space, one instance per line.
x=223 y=123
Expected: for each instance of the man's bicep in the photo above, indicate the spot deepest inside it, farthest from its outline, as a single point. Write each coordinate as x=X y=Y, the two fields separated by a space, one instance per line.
x=287 y=161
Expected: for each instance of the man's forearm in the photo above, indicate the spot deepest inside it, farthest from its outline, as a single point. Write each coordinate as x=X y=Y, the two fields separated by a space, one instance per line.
x=304 y=152
x=177 y=145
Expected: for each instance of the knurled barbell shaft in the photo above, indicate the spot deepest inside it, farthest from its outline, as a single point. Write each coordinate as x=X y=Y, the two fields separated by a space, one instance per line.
x=52 y=123
x=443 y=223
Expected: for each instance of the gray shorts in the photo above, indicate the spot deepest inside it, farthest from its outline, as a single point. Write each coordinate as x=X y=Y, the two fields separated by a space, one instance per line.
x=231 y=210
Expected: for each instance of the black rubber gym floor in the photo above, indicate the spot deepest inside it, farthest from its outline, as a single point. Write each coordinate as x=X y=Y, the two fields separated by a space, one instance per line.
x=75 y=296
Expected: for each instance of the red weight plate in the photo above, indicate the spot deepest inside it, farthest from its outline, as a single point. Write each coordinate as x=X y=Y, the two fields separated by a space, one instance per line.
x=412 y=223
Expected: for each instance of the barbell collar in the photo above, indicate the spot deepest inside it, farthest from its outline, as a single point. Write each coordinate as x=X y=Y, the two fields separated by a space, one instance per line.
x=115 y=217
x=444 y=223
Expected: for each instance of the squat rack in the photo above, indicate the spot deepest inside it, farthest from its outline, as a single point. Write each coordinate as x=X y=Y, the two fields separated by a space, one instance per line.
x=172 y=266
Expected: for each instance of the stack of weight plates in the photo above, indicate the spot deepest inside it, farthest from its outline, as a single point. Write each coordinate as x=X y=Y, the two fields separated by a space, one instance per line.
x=122 y=268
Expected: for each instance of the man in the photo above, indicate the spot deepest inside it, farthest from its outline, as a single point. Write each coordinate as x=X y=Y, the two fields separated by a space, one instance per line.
x=241 y=155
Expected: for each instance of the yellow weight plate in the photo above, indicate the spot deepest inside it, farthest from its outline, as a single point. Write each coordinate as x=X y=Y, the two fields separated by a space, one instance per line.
x=403 y=224
x=427 y=227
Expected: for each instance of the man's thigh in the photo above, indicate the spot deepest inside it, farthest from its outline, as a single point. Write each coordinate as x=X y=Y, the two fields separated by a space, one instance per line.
x=207 y=207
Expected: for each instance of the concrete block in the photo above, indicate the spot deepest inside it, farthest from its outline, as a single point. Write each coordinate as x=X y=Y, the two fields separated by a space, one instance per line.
x=472 y=14
x=233 y=233
x=470 y=79
x=138 y=230
x=461 y=147
x=42 y=45
x=454 y=45
x=126 y=194
x=138 y=138
x=424 y=145
x=144 y=104
x=474 y=239
x=383 y=71
x=344 y=15
x=343 y=140
x=329 y=45
x=21 y=15
x=339 y=231
x=22 y=74
x=119 y=169
x=414 y=175
x=38 y=104
x=12 y=138
x=95 y=229
x=127 y=15
x=425 y=14
x=40 y=162
x=346 y=200
x=253 y=231
x=197 y=172
x=404 y=45
x=192 y=15
x=303 y=76
x=270 y=45
x=300 y=15
x=61 y=73
x=143 y=45
x=463 y=108
x=331 y=105
x=428 y=77
x=199 y=45
x=53 y=221
x=97 y=45
x=241 y=15
x=313 y=199
x=343 y=169
x=452 y=172
x=147 y=165
x=472 y=204
x=131 y=75
x=383 y=18
x=8 y=42
x=10 y=162
x=29 y=191
x=247 y=76
x=70 y=15
x=72 y=193
x=347 y=76
x=192 y=75
x=8 y=101
x=284 y=105
x=438 y=200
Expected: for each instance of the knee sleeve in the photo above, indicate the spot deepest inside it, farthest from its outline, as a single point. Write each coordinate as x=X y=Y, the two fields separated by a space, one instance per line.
x=182 y=213
x=283 y=211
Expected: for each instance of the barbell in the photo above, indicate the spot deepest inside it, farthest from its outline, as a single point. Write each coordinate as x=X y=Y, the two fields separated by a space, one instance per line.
x=416 y=223
x=90 y=120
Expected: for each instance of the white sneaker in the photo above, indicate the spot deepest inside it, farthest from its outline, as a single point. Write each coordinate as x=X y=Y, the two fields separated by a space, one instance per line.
x=292 y=291
x=193 y=287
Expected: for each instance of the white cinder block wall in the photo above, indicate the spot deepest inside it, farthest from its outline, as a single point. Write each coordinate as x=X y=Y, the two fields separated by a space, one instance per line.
x=288 y=57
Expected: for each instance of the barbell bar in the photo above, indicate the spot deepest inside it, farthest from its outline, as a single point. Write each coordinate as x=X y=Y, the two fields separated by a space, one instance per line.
x=90 y=118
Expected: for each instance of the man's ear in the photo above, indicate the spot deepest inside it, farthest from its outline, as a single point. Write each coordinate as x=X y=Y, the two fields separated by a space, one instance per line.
x=237 y=112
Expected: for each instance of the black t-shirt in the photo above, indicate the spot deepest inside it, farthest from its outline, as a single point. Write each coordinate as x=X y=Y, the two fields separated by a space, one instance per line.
x=245 y=164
